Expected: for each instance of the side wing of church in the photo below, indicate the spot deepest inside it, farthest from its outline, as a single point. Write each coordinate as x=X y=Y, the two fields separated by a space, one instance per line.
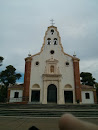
x=52 y=76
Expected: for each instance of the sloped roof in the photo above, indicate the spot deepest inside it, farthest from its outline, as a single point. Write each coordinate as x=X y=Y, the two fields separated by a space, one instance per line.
x=87 y=87
x=15 y=86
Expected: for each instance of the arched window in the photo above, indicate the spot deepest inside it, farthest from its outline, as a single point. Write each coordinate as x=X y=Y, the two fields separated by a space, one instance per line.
x=52 y=69
x=55 y=41
x=48 y=41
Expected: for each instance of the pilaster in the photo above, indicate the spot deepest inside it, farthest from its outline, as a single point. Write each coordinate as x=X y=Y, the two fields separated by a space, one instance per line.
x=95 y=97
x=27 y=78
x=77 y=79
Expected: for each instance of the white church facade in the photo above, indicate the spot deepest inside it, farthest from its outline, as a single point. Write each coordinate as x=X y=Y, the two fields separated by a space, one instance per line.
x=52 y=76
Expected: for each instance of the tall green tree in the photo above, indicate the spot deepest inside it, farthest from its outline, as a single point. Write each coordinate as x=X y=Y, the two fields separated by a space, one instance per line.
x=1 y=60
x=87 y=78
x=3 y=93
x=9 y=76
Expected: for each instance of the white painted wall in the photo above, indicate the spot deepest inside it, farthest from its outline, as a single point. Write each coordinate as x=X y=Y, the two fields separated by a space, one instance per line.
x=87 y=101
x=37 y=71
x=12 y=99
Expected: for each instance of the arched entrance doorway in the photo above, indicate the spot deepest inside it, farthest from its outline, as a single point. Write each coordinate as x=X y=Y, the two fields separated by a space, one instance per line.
x=52 y=93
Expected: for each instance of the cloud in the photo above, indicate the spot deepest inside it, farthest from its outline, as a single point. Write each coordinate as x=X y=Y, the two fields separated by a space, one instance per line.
x=23 y=24
x=90 y=66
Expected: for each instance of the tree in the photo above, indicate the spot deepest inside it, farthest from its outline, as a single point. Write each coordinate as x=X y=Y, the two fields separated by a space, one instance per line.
x=3 y=93
x=1 y=59
x=87 y=78
x=9 y=76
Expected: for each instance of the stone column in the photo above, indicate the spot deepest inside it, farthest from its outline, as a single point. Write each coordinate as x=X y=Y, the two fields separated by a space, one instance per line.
x=60 y=93
x=95 y=97
x=30 y=95
x=73 y=96
x=40 y=95
x=44 y=101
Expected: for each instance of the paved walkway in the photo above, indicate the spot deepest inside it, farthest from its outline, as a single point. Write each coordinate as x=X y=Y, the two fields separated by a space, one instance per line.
x=20 y=123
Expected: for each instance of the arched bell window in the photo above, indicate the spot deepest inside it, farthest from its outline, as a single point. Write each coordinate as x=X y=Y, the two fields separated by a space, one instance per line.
x=52 y=31
x=55 y=41
x=52 y=69
x=48 y=41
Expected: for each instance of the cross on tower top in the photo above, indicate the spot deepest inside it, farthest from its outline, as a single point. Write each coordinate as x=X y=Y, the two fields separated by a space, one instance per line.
x=52 y=22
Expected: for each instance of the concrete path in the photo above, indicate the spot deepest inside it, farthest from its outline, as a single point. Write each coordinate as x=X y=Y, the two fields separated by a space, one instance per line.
x=23 y=123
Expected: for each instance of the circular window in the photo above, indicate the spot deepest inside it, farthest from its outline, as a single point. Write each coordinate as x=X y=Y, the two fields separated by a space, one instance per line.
x=36 y=63
x=67 y=63
x=52 y=51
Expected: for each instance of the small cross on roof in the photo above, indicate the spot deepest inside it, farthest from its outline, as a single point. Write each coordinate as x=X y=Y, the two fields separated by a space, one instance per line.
x=52 y=22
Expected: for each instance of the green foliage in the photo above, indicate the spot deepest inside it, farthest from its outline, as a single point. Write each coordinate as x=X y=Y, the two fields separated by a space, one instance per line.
x=9 y=76
x=3 y=93
x=1 y=59
x=87 y=78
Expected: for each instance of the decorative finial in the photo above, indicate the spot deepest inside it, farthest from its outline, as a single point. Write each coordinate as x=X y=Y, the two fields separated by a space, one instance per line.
x=52 y=22
x=29 y=54
x=74 y=54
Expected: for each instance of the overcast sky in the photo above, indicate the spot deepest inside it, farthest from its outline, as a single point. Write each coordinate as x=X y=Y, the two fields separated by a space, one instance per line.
x=23 y=24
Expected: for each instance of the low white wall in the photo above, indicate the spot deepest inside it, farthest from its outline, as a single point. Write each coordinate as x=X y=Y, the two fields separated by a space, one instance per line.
x=12 y=99
x=90 y=100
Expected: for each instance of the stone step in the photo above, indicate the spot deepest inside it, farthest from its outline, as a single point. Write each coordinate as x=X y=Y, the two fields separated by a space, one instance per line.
x=49 y=106
x=48 y=113
x=50 y=110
